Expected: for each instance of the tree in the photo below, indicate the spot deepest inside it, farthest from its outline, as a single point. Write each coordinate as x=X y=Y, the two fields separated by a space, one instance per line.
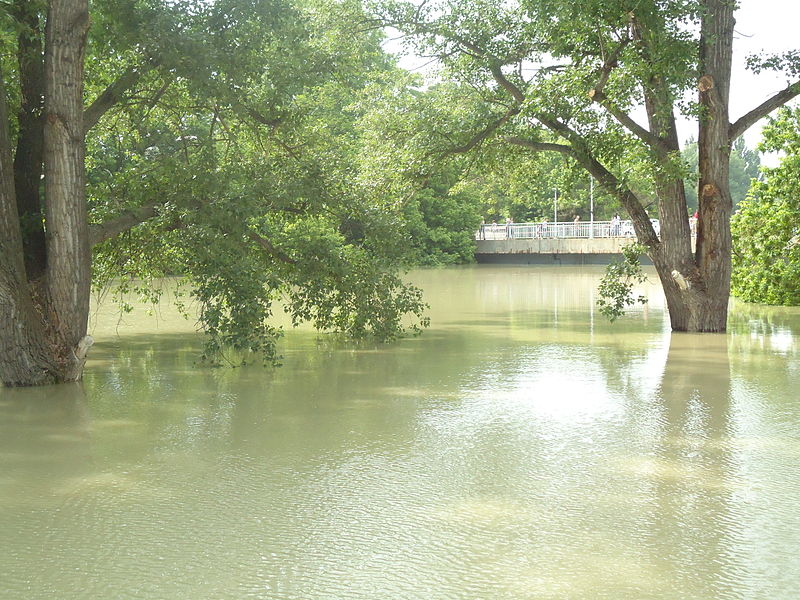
x=745 y=163
x=231 y=158
x=43 y=320
x=441 y=221
x=564 y=77
x=766 y=234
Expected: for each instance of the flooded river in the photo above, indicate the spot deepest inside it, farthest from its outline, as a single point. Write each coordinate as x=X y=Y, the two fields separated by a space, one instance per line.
x=523 y=447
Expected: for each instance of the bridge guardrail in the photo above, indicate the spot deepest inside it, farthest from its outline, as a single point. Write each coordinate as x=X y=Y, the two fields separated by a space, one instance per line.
x=562 y=229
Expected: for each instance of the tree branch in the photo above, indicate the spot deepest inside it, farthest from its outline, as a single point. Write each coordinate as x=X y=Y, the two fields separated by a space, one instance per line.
x=540 y=146
x=503 y=81
x=762 y=110
x=597 y=95
x=584 y=157
x=111 y=96
x=624 y=119
x=485 y=133
x=123 y=222
x=609 y=65
x=270 y=249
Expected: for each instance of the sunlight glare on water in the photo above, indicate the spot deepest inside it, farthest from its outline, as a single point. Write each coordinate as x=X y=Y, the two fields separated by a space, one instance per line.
x=523 y=447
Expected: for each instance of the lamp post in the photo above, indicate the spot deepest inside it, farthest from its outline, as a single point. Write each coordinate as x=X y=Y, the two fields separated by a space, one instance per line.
x=591 y=206
x=555 y=206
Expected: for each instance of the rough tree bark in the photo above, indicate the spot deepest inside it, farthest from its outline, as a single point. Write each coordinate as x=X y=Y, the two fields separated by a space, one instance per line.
x=43 y=320
x=24 y=353
x=713 y=254
x=68 y=272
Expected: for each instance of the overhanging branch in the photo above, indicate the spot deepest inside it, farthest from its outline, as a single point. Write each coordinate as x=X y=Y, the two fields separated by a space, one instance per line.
x=112 y=95
x=483 y=134
x=624 y=119
x=270 y=248
x=540 y=146
x=762 y=110
x=121 y=223
x=584 y=157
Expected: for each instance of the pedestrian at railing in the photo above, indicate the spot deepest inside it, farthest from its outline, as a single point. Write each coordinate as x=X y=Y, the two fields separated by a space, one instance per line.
x=616 y=225
x=509 y=228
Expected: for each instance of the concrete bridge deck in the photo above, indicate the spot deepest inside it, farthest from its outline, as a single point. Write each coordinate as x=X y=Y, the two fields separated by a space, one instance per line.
x=573 y=251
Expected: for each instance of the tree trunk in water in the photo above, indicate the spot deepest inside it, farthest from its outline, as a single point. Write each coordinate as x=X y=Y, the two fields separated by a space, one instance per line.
x=697 y=288
x=713 y=253
x=43 y=322
x=68 y=254
x=691 y=308
x=24 y=358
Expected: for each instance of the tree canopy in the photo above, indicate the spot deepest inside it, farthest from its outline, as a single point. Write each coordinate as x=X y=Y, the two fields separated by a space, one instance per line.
x=221 y=145
x=253 y=174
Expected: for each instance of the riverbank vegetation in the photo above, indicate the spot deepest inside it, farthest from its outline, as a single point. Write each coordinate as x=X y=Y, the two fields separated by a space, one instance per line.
x=766 y=230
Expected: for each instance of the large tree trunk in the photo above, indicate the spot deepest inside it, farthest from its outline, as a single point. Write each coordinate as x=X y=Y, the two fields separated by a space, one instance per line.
x=43 y=320
x=68 y=253
x=713 y=253
x=24 y=357
x=697 y=288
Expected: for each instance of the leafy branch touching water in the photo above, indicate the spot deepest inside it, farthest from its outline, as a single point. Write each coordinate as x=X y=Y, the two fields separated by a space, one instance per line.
x=616 y=287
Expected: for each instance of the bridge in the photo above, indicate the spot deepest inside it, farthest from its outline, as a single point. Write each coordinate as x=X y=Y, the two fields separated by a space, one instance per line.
x=596 y=242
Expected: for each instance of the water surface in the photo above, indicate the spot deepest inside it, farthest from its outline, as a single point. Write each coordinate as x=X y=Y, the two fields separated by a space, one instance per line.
x=523 y=447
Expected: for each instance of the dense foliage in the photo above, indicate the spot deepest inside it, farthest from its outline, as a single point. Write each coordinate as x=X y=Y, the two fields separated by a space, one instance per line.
x=766 y=230
x=223 y=147
x=441 y=220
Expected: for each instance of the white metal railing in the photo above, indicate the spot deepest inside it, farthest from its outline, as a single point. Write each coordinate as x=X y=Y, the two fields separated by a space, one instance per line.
x=562 y=229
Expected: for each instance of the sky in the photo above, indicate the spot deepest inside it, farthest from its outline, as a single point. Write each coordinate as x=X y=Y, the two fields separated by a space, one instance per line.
x=761 y=25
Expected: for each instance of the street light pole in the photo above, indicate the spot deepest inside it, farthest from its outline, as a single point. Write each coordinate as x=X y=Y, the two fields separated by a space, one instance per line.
x=555 y=206
x=591 y=206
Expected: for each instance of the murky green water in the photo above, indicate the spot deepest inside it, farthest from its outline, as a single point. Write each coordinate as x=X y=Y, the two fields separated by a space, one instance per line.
x=521 y=448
